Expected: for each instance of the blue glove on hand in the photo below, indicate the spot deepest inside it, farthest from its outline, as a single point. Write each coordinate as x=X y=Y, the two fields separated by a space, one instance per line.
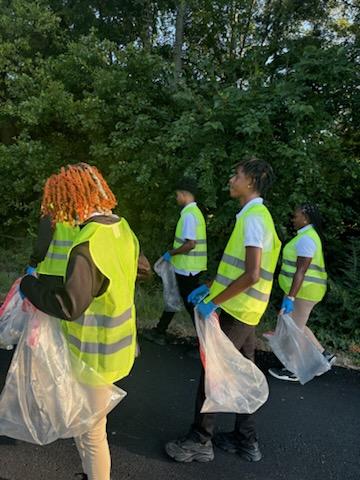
x=167 y=256
x=30 y=270
x=206 y=309
x=287 y=305
x=198 y=294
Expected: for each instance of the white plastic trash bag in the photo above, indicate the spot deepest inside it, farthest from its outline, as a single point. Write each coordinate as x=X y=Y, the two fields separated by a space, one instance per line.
x=44 y=398
x=232 y=382
x=296 y=351
x=172 y=299
x=12 y=318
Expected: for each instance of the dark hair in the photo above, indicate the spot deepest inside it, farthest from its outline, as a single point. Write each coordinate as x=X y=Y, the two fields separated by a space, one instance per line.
x=187 y=184
x=260 y=172
x=313 y=214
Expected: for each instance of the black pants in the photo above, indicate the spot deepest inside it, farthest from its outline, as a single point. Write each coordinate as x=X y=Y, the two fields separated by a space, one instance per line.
x=186 y=285
x=243 y=337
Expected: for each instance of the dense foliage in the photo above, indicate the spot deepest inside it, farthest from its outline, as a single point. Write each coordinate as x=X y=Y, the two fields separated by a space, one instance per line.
x=148 y=90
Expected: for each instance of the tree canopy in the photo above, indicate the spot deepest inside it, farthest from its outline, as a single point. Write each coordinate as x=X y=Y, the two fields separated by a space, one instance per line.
x=150 y=90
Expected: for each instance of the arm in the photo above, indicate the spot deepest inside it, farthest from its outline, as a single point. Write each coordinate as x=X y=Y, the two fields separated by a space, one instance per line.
x=184 y=248
x=83 y=282
x=305 y=251
x=144 y=271
x=247 y=279
x=42 y=243
x=254 y=236
x=302 y=264
x=189 y=234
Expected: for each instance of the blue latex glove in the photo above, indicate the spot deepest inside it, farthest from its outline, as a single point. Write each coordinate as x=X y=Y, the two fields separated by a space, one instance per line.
x=198 y=294
x=167 y=256
x=30 y=270
x=287 y=305
x=206 y=309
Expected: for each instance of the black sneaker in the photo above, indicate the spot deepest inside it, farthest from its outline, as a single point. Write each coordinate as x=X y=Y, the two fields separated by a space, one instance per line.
x=283 y=374
x=330 y=357
x=229 y=442
x=155 y=336
x=187 y=450
x=81 y=476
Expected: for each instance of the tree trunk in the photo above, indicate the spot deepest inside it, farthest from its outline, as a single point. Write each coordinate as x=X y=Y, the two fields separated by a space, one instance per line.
x=149 y=12
x=179 y=39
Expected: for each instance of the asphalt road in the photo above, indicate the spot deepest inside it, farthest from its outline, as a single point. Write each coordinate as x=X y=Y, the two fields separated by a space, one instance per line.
x=306 y=432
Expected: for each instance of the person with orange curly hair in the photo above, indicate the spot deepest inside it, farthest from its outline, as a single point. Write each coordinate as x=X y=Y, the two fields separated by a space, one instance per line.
x=96 y=301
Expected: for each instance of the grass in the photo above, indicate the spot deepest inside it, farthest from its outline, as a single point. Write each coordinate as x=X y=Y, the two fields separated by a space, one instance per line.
x=149 y=307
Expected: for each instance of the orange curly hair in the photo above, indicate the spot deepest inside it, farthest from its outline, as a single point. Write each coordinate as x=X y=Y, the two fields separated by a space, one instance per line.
x=75 y=193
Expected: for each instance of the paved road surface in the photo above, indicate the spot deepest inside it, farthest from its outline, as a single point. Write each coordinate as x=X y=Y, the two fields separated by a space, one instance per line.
x=309 y=432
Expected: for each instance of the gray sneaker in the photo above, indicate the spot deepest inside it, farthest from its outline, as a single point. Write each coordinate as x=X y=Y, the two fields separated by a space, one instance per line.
x=188 y=450
x=229 y=442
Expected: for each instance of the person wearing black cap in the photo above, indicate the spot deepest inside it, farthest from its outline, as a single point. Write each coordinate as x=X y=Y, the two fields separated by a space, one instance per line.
x=188 y=255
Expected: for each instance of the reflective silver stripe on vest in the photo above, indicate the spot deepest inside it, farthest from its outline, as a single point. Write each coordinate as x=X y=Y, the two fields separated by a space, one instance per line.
x=198 y=242
x=196 y=254
x=252 y=292
x=100 y=348
x=56 y=256
x=306 y=278
x=104 y=320
x=62 y=243
x=223 y=280
x=236 y=262
x=312 y=266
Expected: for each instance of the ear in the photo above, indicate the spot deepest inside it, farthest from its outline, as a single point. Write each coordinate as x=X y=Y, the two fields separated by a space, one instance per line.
x=250 y=182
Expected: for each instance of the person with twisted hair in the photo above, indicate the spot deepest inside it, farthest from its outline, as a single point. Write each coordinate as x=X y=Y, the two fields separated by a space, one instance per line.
x=96 y=300
x=303 y=277
x=241 y=291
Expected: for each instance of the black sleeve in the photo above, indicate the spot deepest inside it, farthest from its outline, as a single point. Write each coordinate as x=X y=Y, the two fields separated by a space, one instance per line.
x=43 y=240
x=83 y=282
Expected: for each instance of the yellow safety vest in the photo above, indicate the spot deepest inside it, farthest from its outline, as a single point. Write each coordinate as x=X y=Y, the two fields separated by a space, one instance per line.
x=195 y=259
x=104 y=337
x=249 y=305
x=315 y=281
x=55 y=261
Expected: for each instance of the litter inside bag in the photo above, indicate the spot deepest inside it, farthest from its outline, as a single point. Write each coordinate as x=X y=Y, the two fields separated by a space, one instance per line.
x=296 y=351
x=43 y=398
x=12 y=318
x=172 y=299
x=232 y=382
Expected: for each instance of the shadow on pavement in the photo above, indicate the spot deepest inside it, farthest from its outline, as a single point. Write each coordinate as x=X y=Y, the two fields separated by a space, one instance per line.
x=7 y=441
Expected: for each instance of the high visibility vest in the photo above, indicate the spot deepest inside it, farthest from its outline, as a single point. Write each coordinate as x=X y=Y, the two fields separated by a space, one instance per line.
x=315 y=281
x=249 y=305
x=55 y=260
x=104 y=337
x=195 y=259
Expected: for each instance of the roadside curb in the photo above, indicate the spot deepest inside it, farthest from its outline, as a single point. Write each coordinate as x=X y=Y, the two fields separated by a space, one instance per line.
x=342 y=360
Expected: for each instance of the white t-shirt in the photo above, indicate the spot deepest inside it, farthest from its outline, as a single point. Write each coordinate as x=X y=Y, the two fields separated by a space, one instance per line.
x=305 y=247
x=189 y=227
x=188 y=233
x=255 y=234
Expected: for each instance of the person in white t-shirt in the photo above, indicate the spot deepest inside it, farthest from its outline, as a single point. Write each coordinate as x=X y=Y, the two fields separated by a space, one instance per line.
x=188 y=255
x=303 y=277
